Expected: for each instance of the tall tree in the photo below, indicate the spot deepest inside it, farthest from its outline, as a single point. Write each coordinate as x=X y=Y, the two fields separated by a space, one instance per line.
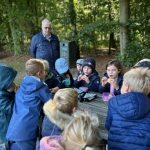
x=124 y=17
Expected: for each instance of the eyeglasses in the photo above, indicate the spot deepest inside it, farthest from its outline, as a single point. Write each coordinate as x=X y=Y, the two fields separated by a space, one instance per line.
x=47 y=28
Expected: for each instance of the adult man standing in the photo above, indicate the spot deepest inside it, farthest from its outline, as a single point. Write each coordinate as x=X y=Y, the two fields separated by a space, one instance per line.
x=45 y=45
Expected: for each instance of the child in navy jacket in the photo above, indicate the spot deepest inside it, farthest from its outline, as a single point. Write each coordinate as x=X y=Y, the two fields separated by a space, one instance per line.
x=113 y=78
x=62 y=75
x=128 y=116
x=79 y=63
x=90 y=77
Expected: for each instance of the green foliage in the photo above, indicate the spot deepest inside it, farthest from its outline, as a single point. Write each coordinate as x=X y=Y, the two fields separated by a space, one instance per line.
x=136 y=51
x=139 y=37
x=89 y=23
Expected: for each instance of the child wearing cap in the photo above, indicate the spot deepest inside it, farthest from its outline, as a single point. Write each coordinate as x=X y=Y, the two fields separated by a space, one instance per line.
x=79 y=63
x=90 y=77
x=62 y=75
x=144 y=63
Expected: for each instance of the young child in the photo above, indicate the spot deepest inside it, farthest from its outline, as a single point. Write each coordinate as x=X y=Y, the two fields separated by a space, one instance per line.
x=144 y=63
x=62 y=75
x=58 y=111
x=128 y=115
x=112 y=80
x=79 y=63
x=32 y=94
x=49 y=77
x=90 y=77
x=7 y=95
x=80 y=134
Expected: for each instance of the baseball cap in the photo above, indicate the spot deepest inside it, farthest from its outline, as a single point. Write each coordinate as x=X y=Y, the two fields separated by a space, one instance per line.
x=61 y=65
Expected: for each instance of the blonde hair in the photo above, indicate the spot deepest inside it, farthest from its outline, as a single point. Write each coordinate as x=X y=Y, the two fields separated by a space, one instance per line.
x=46 y=65
x=65 y=100
x=33 y=66
x=82 y=133
x=138 y=80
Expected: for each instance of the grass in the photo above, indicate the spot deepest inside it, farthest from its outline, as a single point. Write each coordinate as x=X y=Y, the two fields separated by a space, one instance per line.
x=17 y=63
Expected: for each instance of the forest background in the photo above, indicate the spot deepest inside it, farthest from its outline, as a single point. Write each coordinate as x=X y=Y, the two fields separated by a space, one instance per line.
x=120 y=28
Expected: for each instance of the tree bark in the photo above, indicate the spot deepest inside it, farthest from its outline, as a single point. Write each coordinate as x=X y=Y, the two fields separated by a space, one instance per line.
x=124 y=16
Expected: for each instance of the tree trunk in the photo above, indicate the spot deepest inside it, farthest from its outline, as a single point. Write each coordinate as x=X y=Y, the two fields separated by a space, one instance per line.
x=124 y=16
x=73 y=23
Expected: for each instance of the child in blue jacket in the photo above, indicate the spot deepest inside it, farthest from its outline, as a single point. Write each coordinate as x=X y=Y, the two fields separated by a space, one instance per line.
x=33 y=93
x=113 y=78
x=128 y=116
x=7 y=95
x=90 y=77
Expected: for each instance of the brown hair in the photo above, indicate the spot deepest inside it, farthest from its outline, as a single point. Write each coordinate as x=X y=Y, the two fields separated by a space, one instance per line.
x=114 y=62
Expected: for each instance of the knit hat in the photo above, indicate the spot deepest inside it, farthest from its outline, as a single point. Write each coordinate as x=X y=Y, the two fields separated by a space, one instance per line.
x=61 y=65
x=90 y=62
x=80 y=61
x=145 y=63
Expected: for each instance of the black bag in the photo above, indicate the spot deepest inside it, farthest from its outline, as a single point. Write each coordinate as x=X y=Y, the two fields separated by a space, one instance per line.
x=84 y=96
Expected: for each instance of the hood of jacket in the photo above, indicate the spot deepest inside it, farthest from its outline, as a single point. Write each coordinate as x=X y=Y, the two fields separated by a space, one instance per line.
x=55 y=116
x=30 y=84
x=51 y=143
x=132 y=105
x=93 y=74
x=7 y=76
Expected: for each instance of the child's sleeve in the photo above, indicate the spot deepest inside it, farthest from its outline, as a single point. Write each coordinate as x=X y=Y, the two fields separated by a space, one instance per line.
x=109 y=117
x=45 y=94
x=77 y=83
x=94 y=84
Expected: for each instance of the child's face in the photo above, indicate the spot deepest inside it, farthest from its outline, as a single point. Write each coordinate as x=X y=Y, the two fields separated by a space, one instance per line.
x=87 y=70
x=79 y=67
x=112 y=71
